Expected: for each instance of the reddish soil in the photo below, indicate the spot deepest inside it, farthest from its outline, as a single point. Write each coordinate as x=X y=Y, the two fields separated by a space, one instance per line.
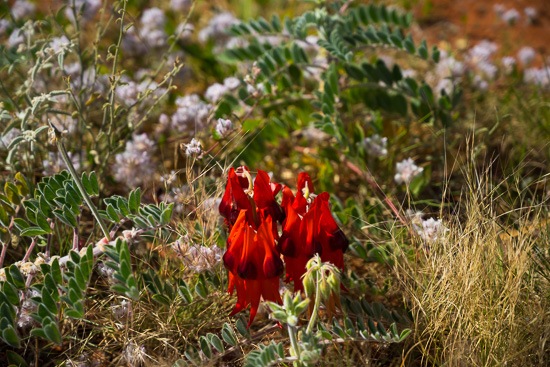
x=463 y=23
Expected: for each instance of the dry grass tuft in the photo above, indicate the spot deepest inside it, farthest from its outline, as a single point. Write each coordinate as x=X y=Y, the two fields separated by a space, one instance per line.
x=478 y=296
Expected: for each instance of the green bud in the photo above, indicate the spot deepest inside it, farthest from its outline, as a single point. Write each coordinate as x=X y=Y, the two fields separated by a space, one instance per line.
x=287 y=302
x=292 y=320
x=334 y=282
x=325 y=288
x=309 y=283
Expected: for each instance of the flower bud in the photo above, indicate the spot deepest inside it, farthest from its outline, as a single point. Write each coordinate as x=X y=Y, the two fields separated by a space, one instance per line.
x=325 y=288
x=334 y=282
x=309 y=284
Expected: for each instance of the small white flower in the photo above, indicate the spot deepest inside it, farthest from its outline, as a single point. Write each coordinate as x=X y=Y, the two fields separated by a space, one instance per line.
x=152 y=18
x=508 y=64
x=194 y=148
x=531 y=14
x=223 y=127
x=407 y=171
x=231 y=83
x=22 y=9
x=215 y=92
x=431 y=230
x=499 y=9
x=377 y=145
x=511 y=16
x=526 y=55
x=135 y=355
x=169 y=178
x=180 y=5
x=197 y=258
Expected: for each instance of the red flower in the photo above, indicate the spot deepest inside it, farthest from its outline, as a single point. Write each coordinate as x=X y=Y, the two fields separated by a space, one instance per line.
x=253 y=262
x=309 y=228
x=257 y=199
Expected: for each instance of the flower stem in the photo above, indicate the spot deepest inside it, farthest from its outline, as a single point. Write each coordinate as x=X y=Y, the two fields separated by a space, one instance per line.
x=75 y=177
x=294 y=344
x=317 y=305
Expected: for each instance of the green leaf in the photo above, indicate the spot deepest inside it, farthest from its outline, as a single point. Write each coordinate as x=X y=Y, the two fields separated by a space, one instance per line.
x=11 y=293
x=10 y=337
x=166 y=214
x=15 y=359
x=112 y=214
x=12 y=193
x=216 y=342
x=87 y=184
x=56 y=271
x=48 y=301
x=33 y=231
x=205 y=347
x=228 y=335
x=17 y=278
x=42 y=222
x=94 y=183
x=4 y=219
x=22 y=184
x=52 y=333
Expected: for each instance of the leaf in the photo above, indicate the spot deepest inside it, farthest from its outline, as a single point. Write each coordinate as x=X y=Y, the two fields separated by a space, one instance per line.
x=166 y=214
x=33 y=231
x=112 y=214
x=87 y=184
x=205 y=347
x=94 y=183
x=11 y=293
x=216 y=342
x=17 y=278
x=15 y=359
x=10 y=337
x=4 y=219
x=22 y=184
x=48 y=301
x=56 y=271
x=42 y=222
x=12 y=193
x=228 y=335
x=52 y=333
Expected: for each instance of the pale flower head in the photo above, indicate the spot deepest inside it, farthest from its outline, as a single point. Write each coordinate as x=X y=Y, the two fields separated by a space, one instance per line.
x=194 y=148
x=223 y=127
x=430 y=230
x=526 y=55
x=407 y=171
x=377 y=145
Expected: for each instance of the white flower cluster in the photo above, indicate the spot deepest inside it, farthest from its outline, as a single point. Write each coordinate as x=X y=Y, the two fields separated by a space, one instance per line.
x=28 y=307
x=526 y=55
x=89 y=9
x=134 y=166
x=194 y=148
x=55 y=163
x=135 y=355
x=217 y=28
x=430 y=230
x=4 y=26
x=180 y=5
x=216 y=91
x=130 y=91
x=223 y=127
x=377 y=145
x=191 y=111
x=407 y=171
x=58 y=45
x=152 y=27
x=22 y=9
x=195 y=257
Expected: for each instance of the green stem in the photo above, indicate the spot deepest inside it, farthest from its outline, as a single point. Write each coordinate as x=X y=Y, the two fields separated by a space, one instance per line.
x=316 y=307
x=294 y=344
x=73 y=173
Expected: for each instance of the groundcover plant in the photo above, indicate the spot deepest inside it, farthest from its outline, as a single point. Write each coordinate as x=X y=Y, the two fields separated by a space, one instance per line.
x=270 y=183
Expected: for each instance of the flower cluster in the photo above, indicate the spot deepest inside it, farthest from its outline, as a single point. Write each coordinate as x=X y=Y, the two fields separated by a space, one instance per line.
x=197 y=258
x=255 y=247
x=407 y=171
x=134 y=166
x=376 y=145
x=430 y=230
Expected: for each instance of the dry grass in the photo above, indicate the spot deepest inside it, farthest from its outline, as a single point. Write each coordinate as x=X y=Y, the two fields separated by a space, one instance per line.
x=478 y=296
